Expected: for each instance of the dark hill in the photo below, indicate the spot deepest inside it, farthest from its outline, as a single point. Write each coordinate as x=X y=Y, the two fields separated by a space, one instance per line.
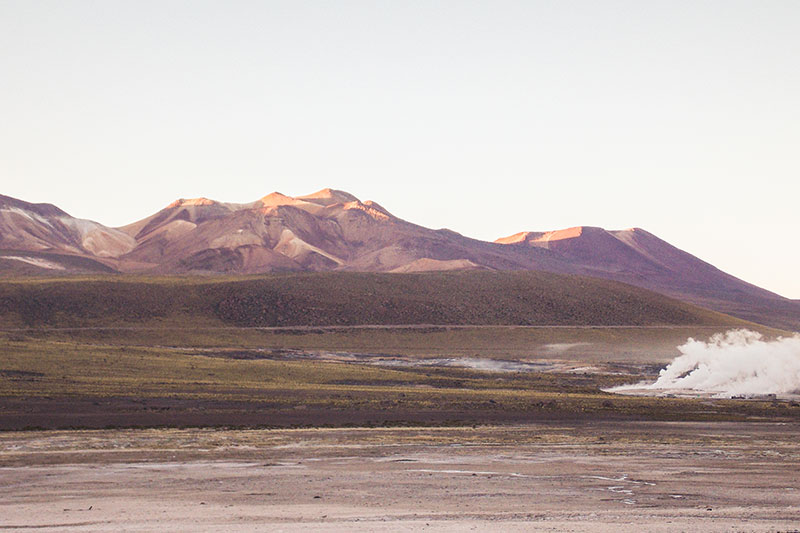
x=343 y=298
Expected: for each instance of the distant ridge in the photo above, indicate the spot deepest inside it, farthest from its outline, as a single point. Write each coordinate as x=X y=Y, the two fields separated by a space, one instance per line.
x=332 y=230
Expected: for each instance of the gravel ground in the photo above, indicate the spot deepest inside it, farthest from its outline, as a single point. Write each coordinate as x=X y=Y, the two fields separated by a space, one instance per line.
x=608 y=476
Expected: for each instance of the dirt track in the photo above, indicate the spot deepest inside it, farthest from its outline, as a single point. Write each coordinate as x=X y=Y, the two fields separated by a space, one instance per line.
x=590 y=477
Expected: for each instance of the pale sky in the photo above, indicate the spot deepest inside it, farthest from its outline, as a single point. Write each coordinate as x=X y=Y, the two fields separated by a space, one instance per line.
x=488 y=118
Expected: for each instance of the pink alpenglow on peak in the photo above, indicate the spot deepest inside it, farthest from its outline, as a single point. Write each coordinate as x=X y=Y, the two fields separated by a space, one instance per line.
x=184 y=202
x=329 y=196
x=534 y=237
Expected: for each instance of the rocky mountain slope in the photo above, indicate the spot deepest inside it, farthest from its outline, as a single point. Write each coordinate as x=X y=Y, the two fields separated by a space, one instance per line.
x=41 y=237
x=333 y=230
x=327 y=230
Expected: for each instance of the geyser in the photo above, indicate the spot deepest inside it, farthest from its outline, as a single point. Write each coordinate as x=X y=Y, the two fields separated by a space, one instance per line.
x=735 y=363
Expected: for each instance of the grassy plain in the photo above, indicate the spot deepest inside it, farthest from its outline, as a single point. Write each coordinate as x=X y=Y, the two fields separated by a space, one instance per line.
x=53 y=383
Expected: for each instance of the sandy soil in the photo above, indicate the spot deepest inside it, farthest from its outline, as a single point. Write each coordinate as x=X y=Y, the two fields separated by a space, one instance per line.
x=607 y=476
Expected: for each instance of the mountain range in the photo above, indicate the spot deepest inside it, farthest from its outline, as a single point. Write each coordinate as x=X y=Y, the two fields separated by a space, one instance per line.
x=332 y=230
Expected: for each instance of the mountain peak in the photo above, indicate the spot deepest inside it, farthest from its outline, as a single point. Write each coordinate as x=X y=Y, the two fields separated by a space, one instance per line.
x=275 y=198
x=543 y=237
x=569 y=233
x=183 y=202
x=39 y=209
x=329 y=196
x=517 y=238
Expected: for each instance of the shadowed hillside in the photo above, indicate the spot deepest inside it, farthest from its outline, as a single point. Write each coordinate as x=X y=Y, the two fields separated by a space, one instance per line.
x=319 y=299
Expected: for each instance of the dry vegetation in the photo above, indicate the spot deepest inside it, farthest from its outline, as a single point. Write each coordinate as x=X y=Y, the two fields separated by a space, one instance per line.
x=343 y=298
x=50 y=383
x=132 y=352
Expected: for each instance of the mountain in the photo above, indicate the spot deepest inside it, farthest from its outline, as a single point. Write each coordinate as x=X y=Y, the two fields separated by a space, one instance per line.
x=54 y=241
x=327 y=230
x=638 y=257
x=333 y=230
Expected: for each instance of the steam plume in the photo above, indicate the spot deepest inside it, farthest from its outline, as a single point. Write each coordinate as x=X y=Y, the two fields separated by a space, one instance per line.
x=736 y=363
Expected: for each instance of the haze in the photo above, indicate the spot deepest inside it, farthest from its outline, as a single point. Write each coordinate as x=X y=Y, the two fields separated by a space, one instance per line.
x=488 y=117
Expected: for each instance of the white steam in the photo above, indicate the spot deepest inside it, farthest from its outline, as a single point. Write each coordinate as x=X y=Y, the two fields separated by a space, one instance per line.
x=736 y=363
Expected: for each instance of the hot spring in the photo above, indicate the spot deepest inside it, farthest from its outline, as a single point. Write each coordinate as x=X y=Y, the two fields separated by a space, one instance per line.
x=738 y=363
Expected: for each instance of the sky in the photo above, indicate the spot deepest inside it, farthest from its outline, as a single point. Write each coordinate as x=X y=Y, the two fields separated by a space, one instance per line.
x=485 y=117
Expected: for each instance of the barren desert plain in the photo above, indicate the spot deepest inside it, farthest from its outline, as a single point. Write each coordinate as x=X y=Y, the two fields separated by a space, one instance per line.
x=547 y=476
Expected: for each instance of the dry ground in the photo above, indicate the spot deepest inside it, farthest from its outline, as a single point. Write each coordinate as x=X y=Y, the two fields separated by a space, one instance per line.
x=645 y=476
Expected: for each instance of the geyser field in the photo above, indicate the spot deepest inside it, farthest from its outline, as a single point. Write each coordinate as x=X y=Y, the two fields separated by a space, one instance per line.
x=364 y=427
x=735 y=364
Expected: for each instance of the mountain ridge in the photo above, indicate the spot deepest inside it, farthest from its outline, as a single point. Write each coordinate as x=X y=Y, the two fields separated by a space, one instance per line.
x=332 y=230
